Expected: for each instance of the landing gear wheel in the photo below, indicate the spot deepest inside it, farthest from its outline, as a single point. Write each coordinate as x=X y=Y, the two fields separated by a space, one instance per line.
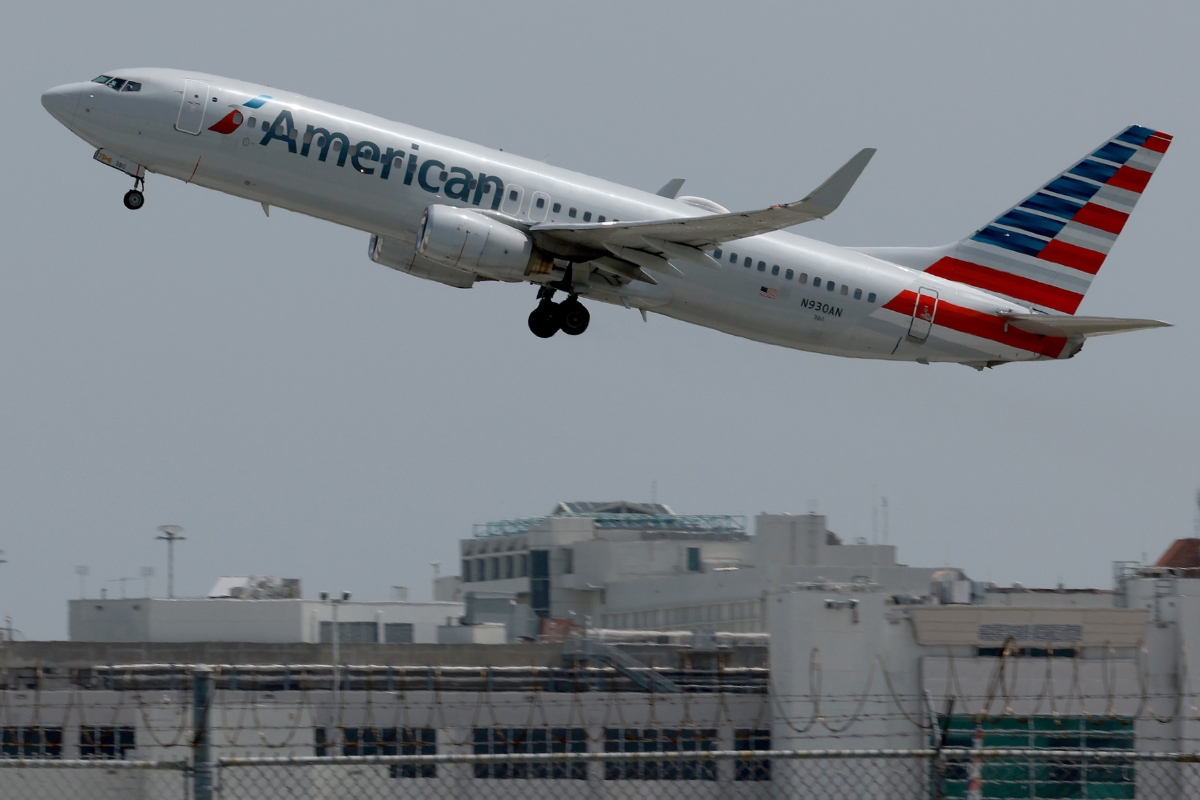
x=544 y=320
x=573 y=317
x=134 y=199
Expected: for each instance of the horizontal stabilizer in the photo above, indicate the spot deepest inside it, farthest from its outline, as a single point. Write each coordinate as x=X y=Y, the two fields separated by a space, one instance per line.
x=1047 y=325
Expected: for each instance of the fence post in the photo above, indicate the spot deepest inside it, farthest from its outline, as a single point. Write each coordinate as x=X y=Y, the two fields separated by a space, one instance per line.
x=202 y=767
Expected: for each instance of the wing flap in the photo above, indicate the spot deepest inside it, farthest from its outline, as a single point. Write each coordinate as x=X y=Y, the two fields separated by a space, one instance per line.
x=1086 y=327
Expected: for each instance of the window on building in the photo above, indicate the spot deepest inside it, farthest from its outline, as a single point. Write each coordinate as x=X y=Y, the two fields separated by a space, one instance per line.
x=466 y=570
x=539 y=582
x=568 y=561
x=871 y=297
x=398 y=632
x=858 y=294
x=523 y=560
x=754 y=769
x=693 y=559
x=106 y=741
x=350 y=632
x=494 y=568
x=667 y=740
x=384 y=742
x=1041 y=778
x=30 y=741
x=502 y=741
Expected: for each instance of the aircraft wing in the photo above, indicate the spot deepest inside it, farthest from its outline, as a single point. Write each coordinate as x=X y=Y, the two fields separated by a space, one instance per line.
x=683 y=234
x=1048 y=325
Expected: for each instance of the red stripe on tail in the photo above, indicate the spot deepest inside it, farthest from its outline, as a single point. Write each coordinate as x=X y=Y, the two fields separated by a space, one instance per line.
x=1073 y=256
x=993 y=280
x=1102 y=217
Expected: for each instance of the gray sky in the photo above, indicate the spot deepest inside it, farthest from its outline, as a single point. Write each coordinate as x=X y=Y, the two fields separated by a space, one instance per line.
x=304 y=412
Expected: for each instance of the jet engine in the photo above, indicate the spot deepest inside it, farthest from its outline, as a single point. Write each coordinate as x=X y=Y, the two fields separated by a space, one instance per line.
x=464 y=240
x=401 y=257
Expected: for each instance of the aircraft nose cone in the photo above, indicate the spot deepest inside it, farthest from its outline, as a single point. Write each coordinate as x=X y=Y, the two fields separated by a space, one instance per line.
x=61 y=102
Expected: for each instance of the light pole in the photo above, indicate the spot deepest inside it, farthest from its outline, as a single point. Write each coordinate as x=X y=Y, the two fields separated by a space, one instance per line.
x=334 y=602
x=170 y=535
x=82 y=571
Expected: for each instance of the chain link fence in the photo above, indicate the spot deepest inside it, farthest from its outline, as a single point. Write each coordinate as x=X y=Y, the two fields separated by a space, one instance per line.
x=928 y=774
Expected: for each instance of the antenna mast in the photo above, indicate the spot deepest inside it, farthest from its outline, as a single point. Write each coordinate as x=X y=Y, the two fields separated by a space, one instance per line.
x=170 y=535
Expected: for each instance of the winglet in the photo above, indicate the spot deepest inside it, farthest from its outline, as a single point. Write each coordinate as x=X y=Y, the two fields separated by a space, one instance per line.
x=671 y=188
x=825 y=199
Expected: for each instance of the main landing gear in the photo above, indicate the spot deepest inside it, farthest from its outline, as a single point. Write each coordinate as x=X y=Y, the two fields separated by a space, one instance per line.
x=134 y=199
x=570 y=316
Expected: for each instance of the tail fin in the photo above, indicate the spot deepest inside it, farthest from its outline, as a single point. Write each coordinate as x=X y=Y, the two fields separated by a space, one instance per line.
x=1047 y=249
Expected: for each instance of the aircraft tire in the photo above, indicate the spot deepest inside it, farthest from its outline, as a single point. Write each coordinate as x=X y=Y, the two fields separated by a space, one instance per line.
x=134 y=200
x=544 y=320
x=573 y=317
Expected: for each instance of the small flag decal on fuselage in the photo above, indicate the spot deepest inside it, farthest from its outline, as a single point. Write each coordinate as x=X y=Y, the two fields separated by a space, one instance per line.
x=770 y=294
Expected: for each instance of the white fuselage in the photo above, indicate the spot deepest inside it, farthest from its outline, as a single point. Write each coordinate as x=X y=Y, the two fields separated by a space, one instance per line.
x=379 y=176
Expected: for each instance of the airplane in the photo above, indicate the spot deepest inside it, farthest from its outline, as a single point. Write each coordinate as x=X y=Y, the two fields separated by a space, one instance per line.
x=458 y=213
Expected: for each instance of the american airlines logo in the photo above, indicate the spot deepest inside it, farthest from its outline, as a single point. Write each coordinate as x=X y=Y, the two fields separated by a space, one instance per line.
x=368 y=158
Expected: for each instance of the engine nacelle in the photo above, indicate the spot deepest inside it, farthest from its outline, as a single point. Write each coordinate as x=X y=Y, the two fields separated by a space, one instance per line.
x=401 y=257
x=464 y=240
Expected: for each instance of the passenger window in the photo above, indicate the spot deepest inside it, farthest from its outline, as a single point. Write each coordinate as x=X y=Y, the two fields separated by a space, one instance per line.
x=775 y=270
x=748 y=262
x=817 y=283
x=803 y=277
x=845 y=288
x=717 y=254
x=337 y=143
x=266 y=126
x=587 y=216
x=253 y=122
x=354 y=151
x=789 y=274
x=830 y=285
x=557 y=207
x=471 y=186
x=541 y=202
x=512 y=195
x=571 y=213
x=871 y=297
x=307 y=136
x=762 y=266
x=733 y=258
x=600 y=218
x=858 y=294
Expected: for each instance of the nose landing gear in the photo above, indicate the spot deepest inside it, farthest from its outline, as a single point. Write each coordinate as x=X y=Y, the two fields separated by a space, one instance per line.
x=570 y=316
x=134 y=199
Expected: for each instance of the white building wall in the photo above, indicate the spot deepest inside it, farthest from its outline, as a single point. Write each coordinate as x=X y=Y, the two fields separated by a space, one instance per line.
x=228 y=620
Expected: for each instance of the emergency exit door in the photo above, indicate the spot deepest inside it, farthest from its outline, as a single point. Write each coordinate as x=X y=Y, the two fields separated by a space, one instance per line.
x=192 y=108
x=923 y=313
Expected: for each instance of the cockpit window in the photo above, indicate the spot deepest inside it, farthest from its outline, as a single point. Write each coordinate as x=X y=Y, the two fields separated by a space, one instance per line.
x=102 y=79
x=115 y=83
x=132 y=86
